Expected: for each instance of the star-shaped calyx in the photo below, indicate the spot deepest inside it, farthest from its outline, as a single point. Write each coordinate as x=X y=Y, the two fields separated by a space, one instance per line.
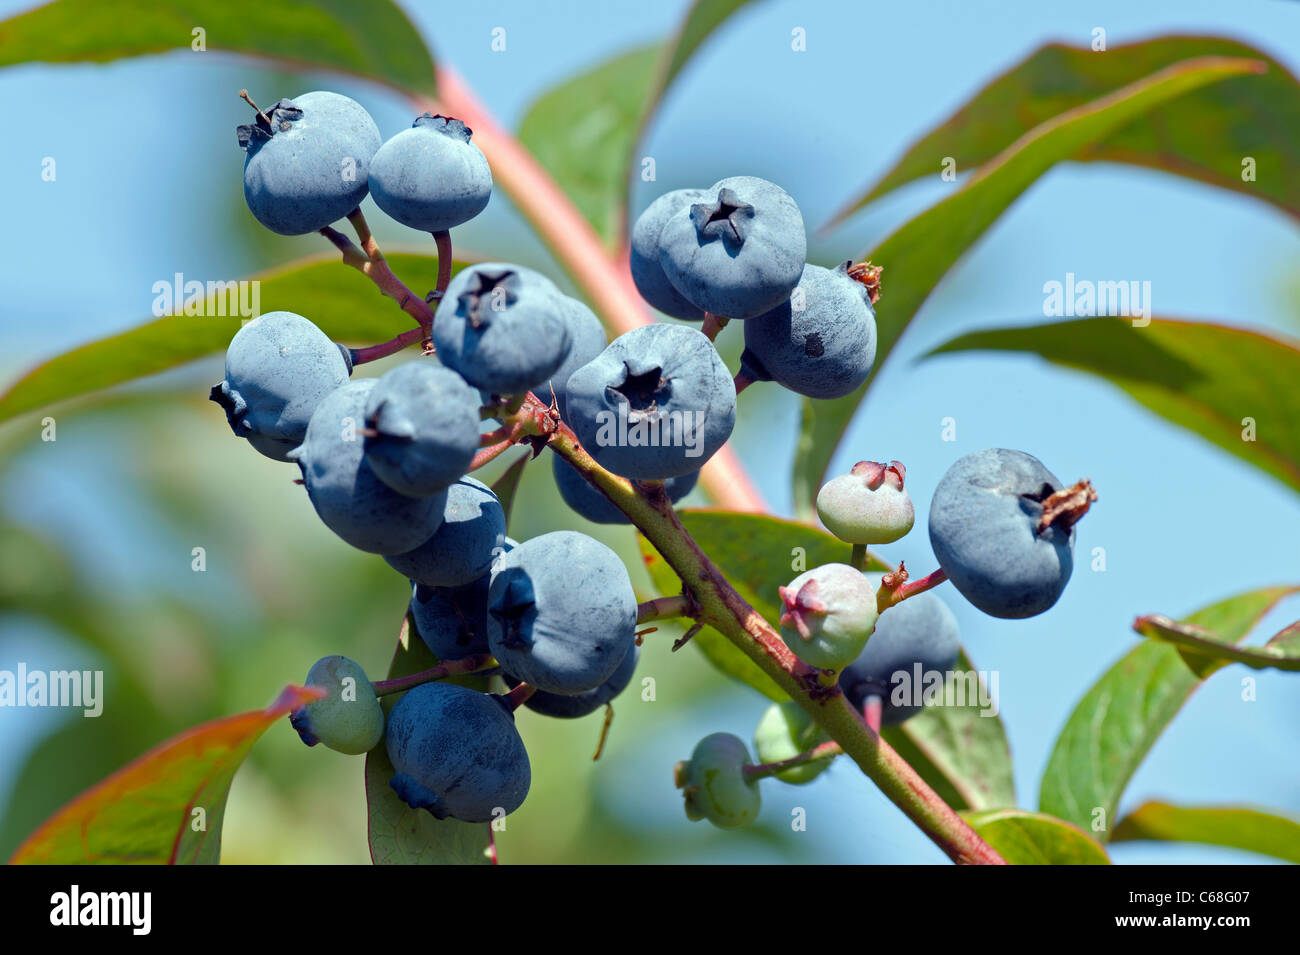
x=643 y=391
x=799 y=605
x=278 y=119
x=488 y=292
x=875 y=474
x=728 y=218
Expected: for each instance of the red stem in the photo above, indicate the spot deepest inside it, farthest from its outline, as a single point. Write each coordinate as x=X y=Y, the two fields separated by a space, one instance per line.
x=391 y=347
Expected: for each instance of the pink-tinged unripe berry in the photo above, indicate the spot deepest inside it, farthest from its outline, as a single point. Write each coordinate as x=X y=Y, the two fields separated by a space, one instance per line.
x=828 y=614
x=869 y=505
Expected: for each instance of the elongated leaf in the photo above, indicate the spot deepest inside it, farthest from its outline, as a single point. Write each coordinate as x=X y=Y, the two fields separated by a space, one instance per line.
x=1210 y=379
x=167 y=806
x=508 y=483
x=757 y=554
x=1210 y=645
x=922 y=251
x=373 y=39
x=1204 y=136
x=342 y=301
x=959 y=745
x=1034 y=838
x=398 y=834
x=1116 y=723
x=1233 y=826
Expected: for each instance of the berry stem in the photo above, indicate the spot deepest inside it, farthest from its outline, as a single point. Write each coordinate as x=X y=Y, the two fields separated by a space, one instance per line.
x=666 y=608
x=827 y=750
x=443 y=241
x=516 y=697
x=493 y=451
x=604 y=731
x=471 y=664
x=742 y=381
x=391 y=347
x=243 y=94
x=369 y=261
x=897 y=587
x=713 y=324
x=858 y=557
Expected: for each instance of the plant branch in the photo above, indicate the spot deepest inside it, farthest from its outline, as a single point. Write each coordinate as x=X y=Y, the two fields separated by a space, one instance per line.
x=391 y=347
x=369 y=261
x=825 y=750
x=666 y=608
x=471 y=664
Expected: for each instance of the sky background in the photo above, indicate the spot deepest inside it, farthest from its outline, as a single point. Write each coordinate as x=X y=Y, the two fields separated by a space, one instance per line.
x=148 y=174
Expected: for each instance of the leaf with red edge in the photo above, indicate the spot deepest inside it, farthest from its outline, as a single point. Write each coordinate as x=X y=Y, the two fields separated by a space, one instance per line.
x=149 y=811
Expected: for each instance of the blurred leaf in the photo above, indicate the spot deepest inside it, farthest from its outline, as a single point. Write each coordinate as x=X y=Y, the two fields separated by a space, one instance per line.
x=1203 y=136
x=339 y=299
x=1232 y=826
x=1115 y=725
x=756 y=553
x=584 y=130
x=1208 y=644
x=1033 y=838
x=145 y=811
x=373 y=39
x=1204 y=377
x=960 y=751
x=923 y=250
x=507 y=484
x=400 y=835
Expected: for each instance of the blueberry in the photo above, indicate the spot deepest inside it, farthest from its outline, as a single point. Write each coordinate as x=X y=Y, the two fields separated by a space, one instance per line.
x=278 y=368
x=786 y=731
x=346 y=492
x=587 y=340
x=452 y=621
x=714 y=784
x=596 y=507
x=984 y=528
x=573 y=707
x=919 y=632
x=821 y=342
x=647 y=272
x=431 y=177
x=457 y=753
x=561 y=612
x=470 y=537
x=308 y=162
x=869 y=505
x=739 y=251
x=657 y=403
x=828 y=616
x=502 y=327
x=427 y=428
x=349 y=720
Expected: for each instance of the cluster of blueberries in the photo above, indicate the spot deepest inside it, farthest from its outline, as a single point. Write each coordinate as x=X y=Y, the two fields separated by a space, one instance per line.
x=385 y=462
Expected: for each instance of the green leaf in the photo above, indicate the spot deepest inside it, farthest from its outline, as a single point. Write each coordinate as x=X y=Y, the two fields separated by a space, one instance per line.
x=342 y=301
x=398 y=834
x=147 y=812
x=922 y=251
x=507 y=484
x=1208 y=644
x=1118 y=720
x=1034 y=838
x=959 y=751
x=1203 y=136
x=1203 y=377
x=1233 y=826
x=375 y=39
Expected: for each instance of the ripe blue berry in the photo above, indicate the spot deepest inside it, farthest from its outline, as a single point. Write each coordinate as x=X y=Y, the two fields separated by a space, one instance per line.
x=992 y=536
x=307 y=161
x=869 y=505
x=596 y=507
x=786 y=731
x=457 y=753
x=349 y=720
x=657 y=403
x=470 y=537
x=347 y=494
x=739 y=251
x=501 y=327
x=561 y=612
x=828 y=616
x=431 y=177
x=426 y=423
x=278 y=368
x=581 y=704
x=647 y=271
x=452 y=621
x=821 y=342
x=913 y=641
x=714 y=784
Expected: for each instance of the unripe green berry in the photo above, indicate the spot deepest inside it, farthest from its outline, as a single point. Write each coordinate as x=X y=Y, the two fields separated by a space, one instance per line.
x=829 y=613
x=868 y=505
x=784 y=732
x=349 y=720
x=714 y=784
